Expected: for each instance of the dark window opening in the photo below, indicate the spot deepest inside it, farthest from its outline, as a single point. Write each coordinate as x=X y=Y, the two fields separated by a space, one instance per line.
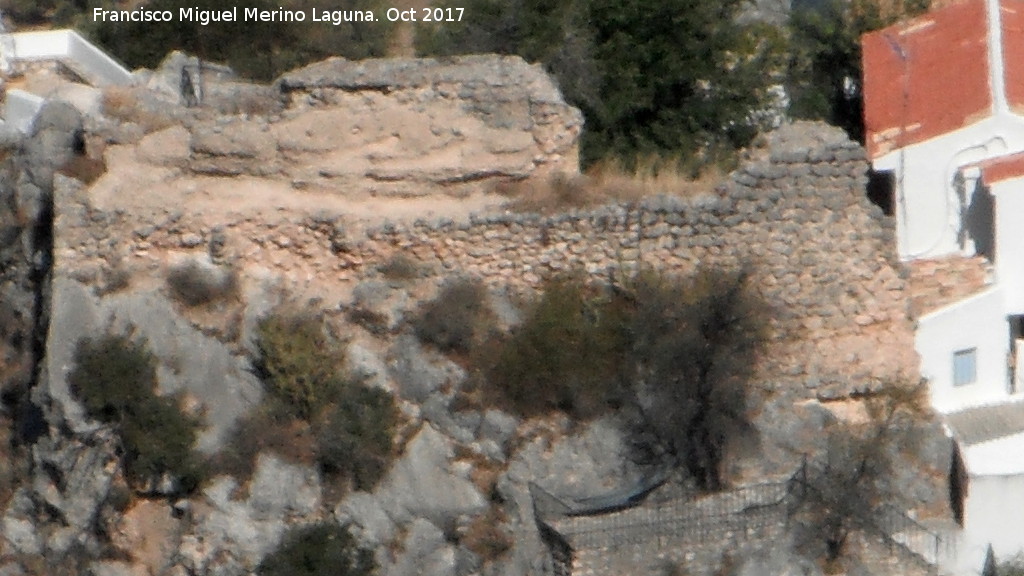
x=1016 y=349
x=958 y=480
x=882 y=190
x=979 y=222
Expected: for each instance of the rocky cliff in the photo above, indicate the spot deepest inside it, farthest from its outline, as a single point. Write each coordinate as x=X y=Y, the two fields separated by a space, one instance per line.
x=342 y=172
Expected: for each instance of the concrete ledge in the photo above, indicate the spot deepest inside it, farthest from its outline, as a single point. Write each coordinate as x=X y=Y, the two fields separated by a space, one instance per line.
x=75 y=52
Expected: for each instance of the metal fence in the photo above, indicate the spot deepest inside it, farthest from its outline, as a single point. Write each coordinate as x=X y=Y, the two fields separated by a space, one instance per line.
x=736 y=513
x=760 y=511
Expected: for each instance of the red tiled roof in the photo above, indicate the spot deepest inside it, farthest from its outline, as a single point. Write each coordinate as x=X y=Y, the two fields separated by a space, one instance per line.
x=1013 y=52
x=929 y=75
x=1002 y=168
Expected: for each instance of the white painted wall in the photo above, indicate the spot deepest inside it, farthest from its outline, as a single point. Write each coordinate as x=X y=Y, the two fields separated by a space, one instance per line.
x=1009 y=220
x=927 y=205
x=993 y=513
x=976 y=322
x=76 y=52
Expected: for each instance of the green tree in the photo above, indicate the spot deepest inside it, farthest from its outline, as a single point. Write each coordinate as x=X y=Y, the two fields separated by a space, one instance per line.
x=678 y=76
x=673 y=77
x=694 y=343
x=824 y=71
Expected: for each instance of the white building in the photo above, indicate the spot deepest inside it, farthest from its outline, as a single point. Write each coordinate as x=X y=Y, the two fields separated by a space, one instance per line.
x=944 y=113
x=944 y=116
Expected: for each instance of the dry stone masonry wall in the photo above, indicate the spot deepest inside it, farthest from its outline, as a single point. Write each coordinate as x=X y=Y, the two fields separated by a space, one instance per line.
x=796 y=216
x=820 y=252
x=937 y=283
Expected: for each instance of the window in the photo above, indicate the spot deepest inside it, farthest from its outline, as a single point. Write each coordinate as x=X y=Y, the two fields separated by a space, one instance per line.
x=965 y=367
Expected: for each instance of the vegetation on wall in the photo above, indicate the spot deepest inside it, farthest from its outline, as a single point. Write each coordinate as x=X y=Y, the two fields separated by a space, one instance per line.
x=115 y=379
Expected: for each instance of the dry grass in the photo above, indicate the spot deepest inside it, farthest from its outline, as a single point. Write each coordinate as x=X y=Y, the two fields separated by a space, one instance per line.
x=123 y=104
x=609 y=181
x=291 y=440
x=485 y=535
x=84 y=169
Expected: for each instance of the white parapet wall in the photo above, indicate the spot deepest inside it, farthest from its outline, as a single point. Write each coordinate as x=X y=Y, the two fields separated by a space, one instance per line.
x=20 y=109
x=75 y=52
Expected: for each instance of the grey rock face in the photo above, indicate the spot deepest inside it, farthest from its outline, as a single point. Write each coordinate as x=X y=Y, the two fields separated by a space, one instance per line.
x=777 y=561
x=420 y=372
x=76 y=482
x=19 y=530
x=234 y=535
x=279 y=489
x=189 y=360
x=423 y=483
x=590 y=463
x=363 y=363
x=56 y=134
x=497 y=427
x=425 y=553
x=379 y=307
x=366 y=517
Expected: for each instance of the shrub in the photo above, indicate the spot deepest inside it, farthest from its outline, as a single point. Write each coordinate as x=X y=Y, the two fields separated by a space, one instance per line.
x=352 y=424
x=354 y=441
x=194 y=284
x=694 y=343
x=853 y=487
x=115 y=379
x=298 y=361
x=400 y=267
x=679 y=350
x=261 y=431
x=485 y=536
x=324 y=549
x=1010 y=567
x=564 y=356
x=457 y=318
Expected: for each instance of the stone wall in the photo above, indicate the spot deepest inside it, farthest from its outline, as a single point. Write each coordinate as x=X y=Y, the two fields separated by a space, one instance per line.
x=937 y=283
x=401 y=127
x=820 y=253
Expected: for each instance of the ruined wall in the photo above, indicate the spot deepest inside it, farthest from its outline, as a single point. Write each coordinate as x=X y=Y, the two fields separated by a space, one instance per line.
x=821 y=254
x=401 y=127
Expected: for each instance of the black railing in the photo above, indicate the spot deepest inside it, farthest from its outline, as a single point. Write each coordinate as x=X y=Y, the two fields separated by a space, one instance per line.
x=757 y=511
